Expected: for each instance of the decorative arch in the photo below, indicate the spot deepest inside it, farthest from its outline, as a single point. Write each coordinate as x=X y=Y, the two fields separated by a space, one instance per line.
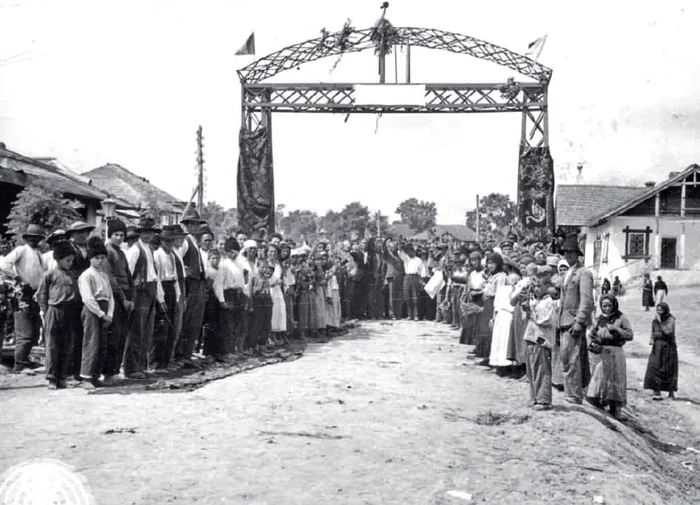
x=259 y=99
x=354 y=41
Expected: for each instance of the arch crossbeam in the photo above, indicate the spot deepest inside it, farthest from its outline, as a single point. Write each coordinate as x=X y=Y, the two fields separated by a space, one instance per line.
x=359 y=40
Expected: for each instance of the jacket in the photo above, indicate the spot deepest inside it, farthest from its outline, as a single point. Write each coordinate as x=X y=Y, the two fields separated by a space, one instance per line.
x=576 y=302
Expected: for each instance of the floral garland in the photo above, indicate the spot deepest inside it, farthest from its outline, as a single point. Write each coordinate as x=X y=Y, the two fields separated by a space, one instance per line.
x=342 y=41
x=510 y=90
x=383 y=35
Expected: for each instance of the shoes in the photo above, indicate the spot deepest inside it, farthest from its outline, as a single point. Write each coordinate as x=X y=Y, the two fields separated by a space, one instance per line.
x=135 y=376
x=542 y=406
x=53 y=385
x=90 y=384
x=573 y=401
x=110 y=380
x=159 y=371
x=61 y=384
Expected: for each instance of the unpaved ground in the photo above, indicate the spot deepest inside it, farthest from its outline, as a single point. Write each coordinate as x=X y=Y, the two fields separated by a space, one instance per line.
x=390 y=414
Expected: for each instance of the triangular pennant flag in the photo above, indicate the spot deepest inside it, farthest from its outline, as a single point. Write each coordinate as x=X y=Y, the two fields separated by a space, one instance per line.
x=534 y=49
x=248 y=48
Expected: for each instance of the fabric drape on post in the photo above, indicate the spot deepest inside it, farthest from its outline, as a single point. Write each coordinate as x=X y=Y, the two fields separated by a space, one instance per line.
x=536 y=189
x=255 y=181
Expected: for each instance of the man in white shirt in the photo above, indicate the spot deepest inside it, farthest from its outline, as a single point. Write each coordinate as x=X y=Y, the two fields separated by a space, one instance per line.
x=228 y=289
x=26 y=266
x=414 y=269
x=166 y=262
x=147 y=292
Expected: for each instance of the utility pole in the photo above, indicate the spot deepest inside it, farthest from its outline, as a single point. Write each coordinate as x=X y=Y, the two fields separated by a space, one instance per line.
x=478 y=220
x=382 y=52
x=200 y=171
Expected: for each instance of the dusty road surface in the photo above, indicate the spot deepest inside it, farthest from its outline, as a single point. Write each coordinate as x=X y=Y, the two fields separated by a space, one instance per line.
x=389 y=414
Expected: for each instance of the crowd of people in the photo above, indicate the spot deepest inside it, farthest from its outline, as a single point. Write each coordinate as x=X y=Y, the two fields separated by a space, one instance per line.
x=143 y=301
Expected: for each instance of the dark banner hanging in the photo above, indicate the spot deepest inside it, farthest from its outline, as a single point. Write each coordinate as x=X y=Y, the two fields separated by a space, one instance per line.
x=536 y=189
x=256 y=200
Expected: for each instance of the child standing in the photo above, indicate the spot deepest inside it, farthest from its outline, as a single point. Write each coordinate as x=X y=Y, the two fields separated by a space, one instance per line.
x=59 y=302
x=262 y=306
x=540 y=335
x=98 y=308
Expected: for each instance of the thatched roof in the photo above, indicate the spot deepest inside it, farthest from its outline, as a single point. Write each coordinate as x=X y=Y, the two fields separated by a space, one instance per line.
x=136 y=190
x=19 y=170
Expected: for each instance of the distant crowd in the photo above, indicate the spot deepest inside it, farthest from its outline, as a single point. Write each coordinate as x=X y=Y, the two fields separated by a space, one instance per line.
x=144 y=301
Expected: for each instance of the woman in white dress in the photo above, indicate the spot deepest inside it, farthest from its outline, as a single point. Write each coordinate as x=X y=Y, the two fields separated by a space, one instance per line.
x=503 y=319
x=279 y=311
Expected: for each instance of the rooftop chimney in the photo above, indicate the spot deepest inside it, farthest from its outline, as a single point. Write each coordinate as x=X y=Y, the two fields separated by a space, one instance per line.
x=650 y=184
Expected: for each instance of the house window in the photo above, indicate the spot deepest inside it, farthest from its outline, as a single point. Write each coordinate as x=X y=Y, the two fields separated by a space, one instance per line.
x=606 y=246
x=636 y=243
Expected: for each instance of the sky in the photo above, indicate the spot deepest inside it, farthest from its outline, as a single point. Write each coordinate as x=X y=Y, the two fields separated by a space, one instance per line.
x=96 y=81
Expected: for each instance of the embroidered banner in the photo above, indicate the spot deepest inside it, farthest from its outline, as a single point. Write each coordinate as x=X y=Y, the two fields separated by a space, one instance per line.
x=536 y=189
x=255 y=181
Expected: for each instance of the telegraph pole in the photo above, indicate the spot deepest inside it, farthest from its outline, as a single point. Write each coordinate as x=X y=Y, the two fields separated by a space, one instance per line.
x=200 y=171
x=478 y=219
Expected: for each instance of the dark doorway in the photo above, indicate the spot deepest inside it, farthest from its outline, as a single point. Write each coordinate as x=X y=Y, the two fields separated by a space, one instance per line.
x=668 y=253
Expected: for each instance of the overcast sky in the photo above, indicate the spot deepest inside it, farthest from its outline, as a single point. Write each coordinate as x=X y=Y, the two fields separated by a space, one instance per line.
x=128 y=82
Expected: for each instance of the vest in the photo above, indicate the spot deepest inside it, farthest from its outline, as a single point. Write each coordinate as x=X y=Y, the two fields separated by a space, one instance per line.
x=193 y=261
x=180 y=272
x=80 y=263
x=141 y=269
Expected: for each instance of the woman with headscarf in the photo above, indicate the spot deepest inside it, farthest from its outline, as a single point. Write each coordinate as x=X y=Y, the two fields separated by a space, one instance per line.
x=472 y=303
x=662 y=368
x=647 y=293
x=660 y=290
x=608 y=386
x=605 y=289
x=496 y=278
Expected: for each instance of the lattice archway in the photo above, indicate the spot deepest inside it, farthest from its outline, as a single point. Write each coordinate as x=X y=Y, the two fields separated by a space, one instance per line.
x=260 y=99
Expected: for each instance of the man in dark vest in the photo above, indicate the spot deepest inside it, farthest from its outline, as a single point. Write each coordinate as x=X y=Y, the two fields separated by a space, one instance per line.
x=147 y=292
x=122 y=283
x=78 y=234
x=195 y=283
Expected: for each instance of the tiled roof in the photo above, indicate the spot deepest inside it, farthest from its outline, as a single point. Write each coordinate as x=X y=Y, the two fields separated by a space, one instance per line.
x=579 y=204
x=21 y=170
x=132 y=188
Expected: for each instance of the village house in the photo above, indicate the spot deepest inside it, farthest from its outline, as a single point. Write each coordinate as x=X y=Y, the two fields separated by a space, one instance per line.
x=18 y=171
x=448 y=233
x=137 y=191
x=626 y=231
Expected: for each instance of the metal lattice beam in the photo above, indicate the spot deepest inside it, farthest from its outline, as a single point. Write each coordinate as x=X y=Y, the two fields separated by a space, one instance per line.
x=439 y=98
x=359 y=40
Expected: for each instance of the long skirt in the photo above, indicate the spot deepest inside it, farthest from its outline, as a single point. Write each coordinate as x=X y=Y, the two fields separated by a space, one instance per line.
x=471 y=315
x=647 y=298
x=334 y=309
x=609 y=381
x=662 y=368
x=660 y=296
x=307 y=311
x=517 y=347
x=499 y=341
x=483 y=340
x=321 y=308
x=279 y=310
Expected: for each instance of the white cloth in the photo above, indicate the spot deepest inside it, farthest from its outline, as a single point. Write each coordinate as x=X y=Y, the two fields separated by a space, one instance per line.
x=476 y=280
x=501 y=327
x=94 y=285
x=435 y=284
x=279 y=309
x=167 y=269
x=49 y=262
x=26 y=262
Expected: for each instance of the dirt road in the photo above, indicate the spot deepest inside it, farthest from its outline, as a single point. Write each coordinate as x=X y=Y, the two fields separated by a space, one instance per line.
x=389 y=414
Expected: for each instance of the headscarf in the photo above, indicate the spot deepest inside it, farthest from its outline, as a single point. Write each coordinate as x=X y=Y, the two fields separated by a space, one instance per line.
x=614 y=314
x=497 y=259
x=563 y=263
x=666 y=309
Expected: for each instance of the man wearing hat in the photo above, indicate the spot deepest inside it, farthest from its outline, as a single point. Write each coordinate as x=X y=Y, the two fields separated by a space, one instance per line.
x=147 y=292
x=117 y=269
x=167 y=266
x=132 y=236
x=506 y=247
x=51 y=241
x=228 y=289
x=26 y=266
x=576 y=307
x=195 y=273
x=78 y=234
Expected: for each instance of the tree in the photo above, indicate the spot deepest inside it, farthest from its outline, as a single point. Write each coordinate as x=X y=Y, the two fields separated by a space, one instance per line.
x=299 y=222
x=40 y=203
x=279 y=215
x=419 y=215
x=220 y=221
x=355 y=216
x=334 y=225
x=497 y=212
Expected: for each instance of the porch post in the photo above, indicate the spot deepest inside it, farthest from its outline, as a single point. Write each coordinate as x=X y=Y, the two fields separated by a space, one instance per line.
x=681 y=247
x=657 y=246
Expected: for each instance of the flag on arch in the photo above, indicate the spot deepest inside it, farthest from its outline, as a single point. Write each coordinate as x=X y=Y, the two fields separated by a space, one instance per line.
x=249 y=47
x=534 y=49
